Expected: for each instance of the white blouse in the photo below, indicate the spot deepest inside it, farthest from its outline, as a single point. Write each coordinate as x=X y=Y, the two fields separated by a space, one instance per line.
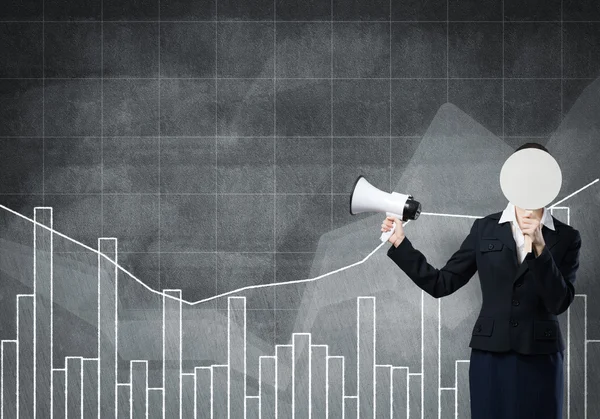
x=509 y=214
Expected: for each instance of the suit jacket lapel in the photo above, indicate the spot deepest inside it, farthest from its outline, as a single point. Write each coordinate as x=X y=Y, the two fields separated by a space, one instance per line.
x=504 y=232
x=550 y=236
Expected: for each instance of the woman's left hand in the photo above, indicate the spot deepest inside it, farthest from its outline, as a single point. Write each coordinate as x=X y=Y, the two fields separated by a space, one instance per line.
x=533 y=228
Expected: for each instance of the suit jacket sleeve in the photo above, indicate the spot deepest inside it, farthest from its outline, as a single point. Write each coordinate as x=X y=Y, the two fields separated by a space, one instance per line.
x=555 y=285
x=459 y=269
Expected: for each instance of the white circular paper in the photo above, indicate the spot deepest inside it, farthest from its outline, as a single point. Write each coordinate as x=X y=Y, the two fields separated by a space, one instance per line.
x=530 y=178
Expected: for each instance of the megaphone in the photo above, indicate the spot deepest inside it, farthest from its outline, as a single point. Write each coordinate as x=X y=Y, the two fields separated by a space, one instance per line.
x=366 y=197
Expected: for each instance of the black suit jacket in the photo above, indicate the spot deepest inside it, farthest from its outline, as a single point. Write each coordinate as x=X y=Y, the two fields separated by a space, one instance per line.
x=520 y=302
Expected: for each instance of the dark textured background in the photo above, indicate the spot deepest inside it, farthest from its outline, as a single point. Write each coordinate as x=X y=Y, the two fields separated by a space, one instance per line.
x=220 y=140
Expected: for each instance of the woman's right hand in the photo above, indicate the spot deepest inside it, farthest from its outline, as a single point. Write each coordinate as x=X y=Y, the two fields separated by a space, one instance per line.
x=398 y=235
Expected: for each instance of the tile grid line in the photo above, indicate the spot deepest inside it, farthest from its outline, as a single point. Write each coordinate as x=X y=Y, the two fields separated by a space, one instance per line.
x=235 y=137
x=439 y=342
x=99 y=327
x=186 y=194
x=503 y=95
x=561 y=62
x=101 y=119
x=568 y=384
x=43 y=102
x=447 y=78
x=197 y=252
x=331 y=142
x=294 y=78
x=390 y=96
x=275 y=177
x=35 y=375
x=160 y=286
x=294 y=21
x=216 y=78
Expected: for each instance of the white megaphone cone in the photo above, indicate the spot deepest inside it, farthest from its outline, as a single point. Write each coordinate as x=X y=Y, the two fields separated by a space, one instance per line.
x=366 y=197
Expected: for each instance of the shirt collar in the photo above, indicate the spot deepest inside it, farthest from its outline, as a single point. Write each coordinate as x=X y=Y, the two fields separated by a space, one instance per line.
x=509 y=215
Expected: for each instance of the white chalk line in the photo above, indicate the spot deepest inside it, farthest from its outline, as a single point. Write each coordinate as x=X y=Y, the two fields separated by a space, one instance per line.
x=250 y=287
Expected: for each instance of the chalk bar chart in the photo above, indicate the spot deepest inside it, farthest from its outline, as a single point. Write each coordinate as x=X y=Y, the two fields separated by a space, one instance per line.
x=35 y=385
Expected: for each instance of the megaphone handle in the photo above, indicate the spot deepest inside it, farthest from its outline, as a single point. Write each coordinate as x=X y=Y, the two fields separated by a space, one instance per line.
x=385 y=236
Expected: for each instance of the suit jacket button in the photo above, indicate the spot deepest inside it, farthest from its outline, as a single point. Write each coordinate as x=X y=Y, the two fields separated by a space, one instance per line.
x=519 y=284
x=478 y=328
x=514 y=323
x=515 y=302
x=548 y=332
x=490 y=246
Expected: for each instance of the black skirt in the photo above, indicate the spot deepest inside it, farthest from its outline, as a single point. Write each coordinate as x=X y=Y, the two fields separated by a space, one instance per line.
x=510 y=385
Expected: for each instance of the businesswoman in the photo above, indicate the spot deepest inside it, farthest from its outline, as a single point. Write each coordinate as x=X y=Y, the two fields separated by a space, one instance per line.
x=516 y=362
